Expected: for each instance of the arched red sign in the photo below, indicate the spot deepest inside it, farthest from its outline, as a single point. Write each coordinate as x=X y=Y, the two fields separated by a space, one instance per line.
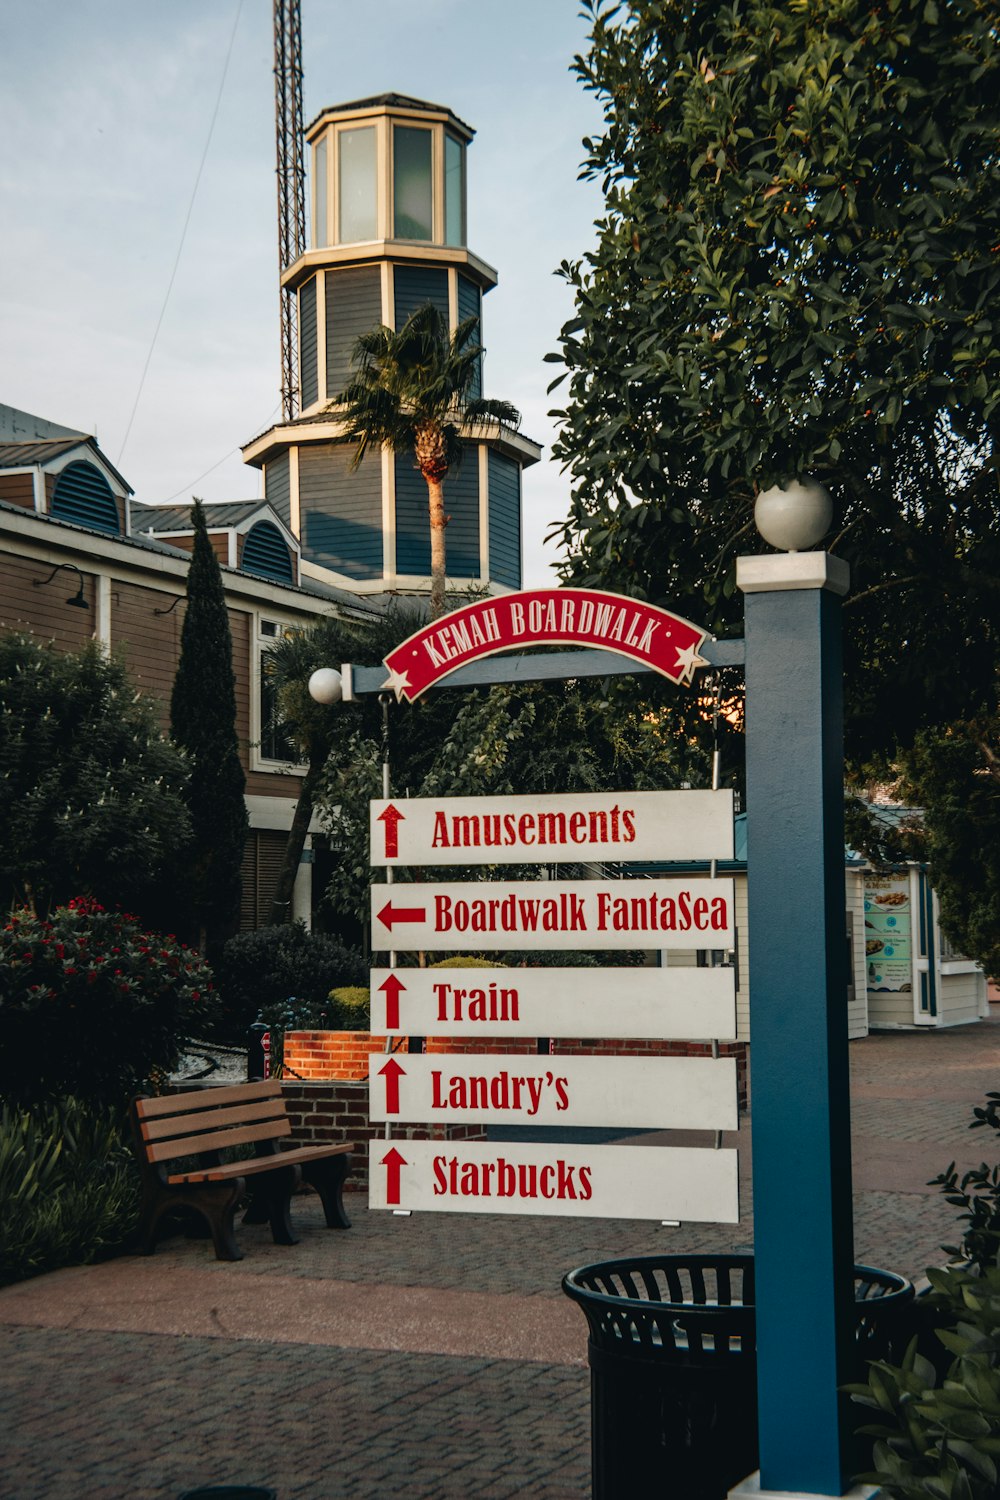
x=546 y=617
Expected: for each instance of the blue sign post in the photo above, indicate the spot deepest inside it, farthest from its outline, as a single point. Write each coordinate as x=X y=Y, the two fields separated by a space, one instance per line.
x=803 y=1228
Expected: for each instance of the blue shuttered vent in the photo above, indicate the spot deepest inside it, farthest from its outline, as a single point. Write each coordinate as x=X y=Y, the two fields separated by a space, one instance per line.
x=82 y=494
x=413 y=530
x=266 y=555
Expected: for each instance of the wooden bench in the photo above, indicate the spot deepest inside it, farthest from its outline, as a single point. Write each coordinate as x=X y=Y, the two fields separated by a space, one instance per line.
x=194 y=1129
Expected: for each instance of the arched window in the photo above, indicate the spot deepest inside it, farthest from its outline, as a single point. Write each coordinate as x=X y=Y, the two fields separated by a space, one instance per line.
x=82 y=494
x=266 y=555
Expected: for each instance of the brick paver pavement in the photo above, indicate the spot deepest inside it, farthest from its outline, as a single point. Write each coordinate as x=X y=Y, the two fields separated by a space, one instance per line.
x=420 y=1357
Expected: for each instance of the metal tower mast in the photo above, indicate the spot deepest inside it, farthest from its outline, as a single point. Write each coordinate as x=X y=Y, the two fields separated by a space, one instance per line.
x=291 y=183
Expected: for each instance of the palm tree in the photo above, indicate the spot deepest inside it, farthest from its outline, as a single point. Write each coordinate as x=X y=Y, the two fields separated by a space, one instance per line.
x=411 y=392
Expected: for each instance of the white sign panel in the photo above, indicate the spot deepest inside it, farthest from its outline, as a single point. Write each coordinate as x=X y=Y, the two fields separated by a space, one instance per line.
x=553 y=829
x=657 y=1093
x=473 y=917
x=692 y=1184
x=683 y=1004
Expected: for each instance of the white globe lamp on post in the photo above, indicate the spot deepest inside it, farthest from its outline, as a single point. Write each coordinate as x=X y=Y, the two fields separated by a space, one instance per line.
x=794 y=517
x=326 y=685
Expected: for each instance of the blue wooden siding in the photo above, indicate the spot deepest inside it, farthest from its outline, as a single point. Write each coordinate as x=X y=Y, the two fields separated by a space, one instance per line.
x=82 y=494
x=308 y=367
x=417 y=285
x=461 y=503
x=353 y=307
x=277 y=488
x=470 y=305
x=341 y=510
x=505 y=519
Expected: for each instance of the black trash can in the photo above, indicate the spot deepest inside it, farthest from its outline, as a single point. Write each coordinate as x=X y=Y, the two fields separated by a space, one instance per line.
x=230 y=1492
x=673 y=1382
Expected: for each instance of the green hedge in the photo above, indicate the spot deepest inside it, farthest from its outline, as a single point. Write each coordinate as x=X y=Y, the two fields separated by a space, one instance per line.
x=68 y=1185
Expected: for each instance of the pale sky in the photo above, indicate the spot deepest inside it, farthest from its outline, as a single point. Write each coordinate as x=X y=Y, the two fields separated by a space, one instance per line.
x=105 y=112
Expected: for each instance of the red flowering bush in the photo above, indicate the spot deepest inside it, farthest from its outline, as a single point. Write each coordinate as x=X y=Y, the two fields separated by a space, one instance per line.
x=91 y=1004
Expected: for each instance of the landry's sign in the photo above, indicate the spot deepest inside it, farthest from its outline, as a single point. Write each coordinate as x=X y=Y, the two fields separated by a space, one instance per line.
x=546 y=617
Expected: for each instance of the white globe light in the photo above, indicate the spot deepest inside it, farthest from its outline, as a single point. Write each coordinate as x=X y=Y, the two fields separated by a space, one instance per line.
x=326 y=685
x=794 y=517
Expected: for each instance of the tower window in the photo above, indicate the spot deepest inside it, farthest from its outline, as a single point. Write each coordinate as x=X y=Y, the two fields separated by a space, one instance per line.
x=413 y=217
x=321 y=234
x=357 y=176
x=454 y=191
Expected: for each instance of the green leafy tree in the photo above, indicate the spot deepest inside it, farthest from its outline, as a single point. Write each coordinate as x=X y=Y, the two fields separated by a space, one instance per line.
x=203 y=721
x=91 y=795
x=953 y=775
x=797 y=273
x=412 y=393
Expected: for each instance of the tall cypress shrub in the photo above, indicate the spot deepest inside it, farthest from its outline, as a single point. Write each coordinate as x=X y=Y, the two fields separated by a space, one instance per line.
x=203 y=722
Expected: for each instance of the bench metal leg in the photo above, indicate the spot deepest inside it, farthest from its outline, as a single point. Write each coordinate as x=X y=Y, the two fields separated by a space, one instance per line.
x=271 y=1202
x=214 y=1202
x=328 y=1176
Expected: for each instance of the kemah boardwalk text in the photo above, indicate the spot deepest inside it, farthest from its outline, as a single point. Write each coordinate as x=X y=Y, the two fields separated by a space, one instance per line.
x=662 y=641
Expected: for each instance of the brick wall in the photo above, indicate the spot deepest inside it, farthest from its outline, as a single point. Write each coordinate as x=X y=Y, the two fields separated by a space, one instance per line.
x=337 y=1110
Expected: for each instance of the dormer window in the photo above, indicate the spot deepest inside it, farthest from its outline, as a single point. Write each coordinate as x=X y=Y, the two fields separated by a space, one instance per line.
x=82 y=494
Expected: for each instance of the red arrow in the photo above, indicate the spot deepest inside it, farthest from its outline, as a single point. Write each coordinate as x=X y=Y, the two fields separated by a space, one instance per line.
x=390 y=914
x=393 y=987
x=392 y=817
x=392 y=1072
x=393 y=1160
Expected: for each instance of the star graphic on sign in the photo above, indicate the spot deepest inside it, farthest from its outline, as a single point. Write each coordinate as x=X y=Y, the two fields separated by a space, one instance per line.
x=688 y=659
x=396 y=682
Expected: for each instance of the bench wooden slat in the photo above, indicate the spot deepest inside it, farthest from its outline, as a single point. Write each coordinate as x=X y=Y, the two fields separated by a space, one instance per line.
x=299 y=1156
x=175 y=1127
x=236 y=1093
x=217 y=1140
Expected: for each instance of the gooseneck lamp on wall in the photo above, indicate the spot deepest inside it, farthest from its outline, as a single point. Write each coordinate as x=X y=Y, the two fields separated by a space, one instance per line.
x=77 y=599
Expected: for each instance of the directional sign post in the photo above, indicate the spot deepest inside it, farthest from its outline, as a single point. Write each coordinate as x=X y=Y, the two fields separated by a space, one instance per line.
x=656 y=1093
x=474 y=917
x=631 y=826
x=684 y=1004
x=694 y=1184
